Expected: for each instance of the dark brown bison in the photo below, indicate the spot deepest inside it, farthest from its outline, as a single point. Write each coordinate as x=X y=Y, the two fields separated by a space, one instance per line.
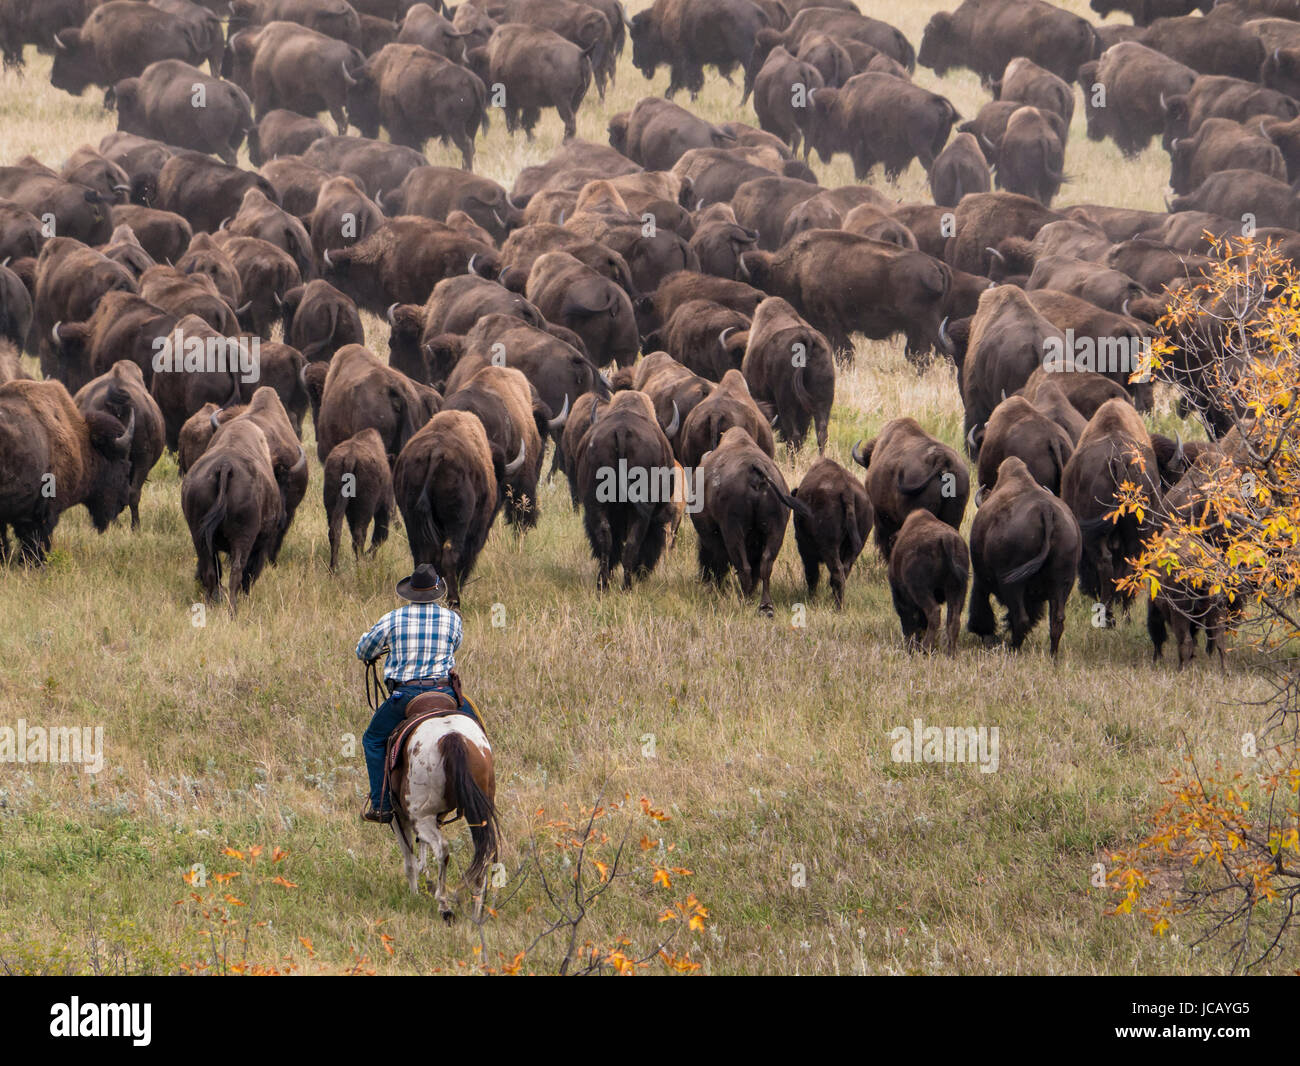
x=1208 y=46
x=53 y=457
x=1025 y=546
x=1218 y=96
x=790 y=366
x=867 y=40
x=445 y=483
x=835 y=531
x=656 y=133
x=180 y=105
x=204 y=191
x=1031 y=158
x=424 y=26
x=524 y=245
x=335 y=18
x=878 y=118
x=435 y=192
x=782 y=92
x=22 y=23
x=1025 y=82
x=15 y=308
x=378 y=165
x=535 y=69
x=205 y=256
x=282 y=132
x=928 y=570
x=985 y=35
x=571 y=294
x=727 y=405
x=908 y=470
x=118 y=40
x=90 y=168
x=163 y=234
x=982 y=221
x=623 y=472
x=343 y=214
x=1018 y=428
x=1109 y=289
x=1115 y=448
x=363 y=393
x=195 y=366
x=959 y=169
x=719 y=241
x=1243 y=194
x=358 y=487
x=123 y=326
x=416 y=94
x=70 y=279
x=842 y=284
x=184 y=294
x=687 y=36
x=403 y=260
x=64 y=208
x=263 y=219
x=286 y=65
x=741 y=520
x=123 y=392
x=232 y=505
x=319 y=320
x=697 y=337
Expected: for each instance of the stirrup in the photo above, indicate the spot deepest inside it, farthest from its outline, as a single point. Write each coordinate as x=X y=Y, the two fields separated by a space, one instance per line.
x=371 y=815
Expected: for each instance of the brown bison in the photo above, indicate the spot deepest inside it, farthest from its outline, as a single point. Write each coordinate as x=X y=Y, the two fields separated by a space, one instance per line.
x=928 y=570
x=54 y=457
x=686 y=36
x=445 y=483
x=416 y=94
x=1025 y=546
x=727 y=405
x=842 y=284
x=1018 y=428
x=835 y=530
x=741 y=520
x=232 y=505
x=985 y=35
x=358 y=487
x=959 y=169
x=908 y=470
x=118 y=40
x=790 y=366
x=623 y=472
x=363 y=393
x=571 y=294
x=535 y=69
x=319 y=320
x=180 y=105
x=1115 y=448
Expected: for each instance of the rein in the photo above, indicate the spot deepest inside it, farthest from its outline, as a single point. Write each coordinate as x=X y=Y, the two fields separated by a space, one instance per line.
x=375 y=694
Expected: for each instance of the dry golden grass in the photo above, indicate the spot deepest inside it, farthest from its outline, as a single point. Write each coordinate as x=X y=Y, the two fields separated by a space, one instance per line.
x=771 y=741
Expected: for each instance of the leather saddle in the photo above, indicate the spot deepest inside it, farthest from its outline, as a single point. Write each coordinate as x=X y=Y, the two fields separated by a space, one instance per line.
x=419 y=709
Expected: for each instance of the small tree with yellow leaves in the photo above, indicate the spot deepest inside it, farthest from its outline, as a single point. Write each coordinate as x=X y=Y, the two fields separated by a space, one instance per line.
x=1225 y=847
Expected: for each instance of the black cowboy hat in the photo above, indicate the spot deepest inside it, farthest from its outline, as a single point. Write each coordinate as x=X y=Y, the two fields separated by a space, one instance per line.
x=423 y=586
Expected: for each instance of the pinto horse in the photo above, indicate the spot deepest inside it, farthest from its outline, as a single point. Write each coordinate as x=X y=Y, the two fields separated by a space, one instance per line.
x=444 y=772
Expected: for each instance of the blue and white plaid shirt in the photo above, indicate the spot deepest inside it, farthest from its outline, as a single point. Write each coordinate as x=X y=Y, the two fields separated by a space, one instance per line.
x=421 y=640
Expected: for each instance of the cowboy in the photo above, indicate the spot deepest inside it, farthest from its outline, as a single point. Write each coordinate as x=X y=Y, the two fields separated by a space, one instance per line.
x=421 y=638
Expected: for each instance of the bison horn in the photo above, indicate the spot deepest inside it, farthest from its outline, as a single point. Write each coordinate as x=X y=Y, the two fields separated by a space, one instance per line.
x=470 y=268
x=379 y=199
x=392 y=306
x=346 y=76
x=328 y=261
x=1163 y=105
x=675 y=424
x=216 y=422
x=224 y=223
x=980 y=493
x=722 y=337
x=497 y=215
x=55 y=333
x=244 y=310
x=276 y=297
x=994 y=252
x=944 y=339
x=1262 y=130
x=301 y=463
x=58 y=43
x=744 y=270
x=123 y=443
x=1180 y=456
x=562 y=212
x=558 y=421
x=518 y=461
x=513 y=206
x=698 y=204
x=970 y=437
x=121 y=188
x=302 y=376
x=1124 y=305
x=856 y=452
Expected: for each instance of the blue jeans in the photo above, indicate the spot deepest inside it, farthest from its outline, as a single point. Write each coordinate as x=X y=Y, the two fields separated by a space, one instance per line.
x=386 y=719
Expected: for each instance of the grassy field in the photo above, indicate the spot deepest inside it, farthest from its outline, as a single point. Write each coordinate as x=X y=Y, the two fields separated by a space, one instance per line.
x=813 y=851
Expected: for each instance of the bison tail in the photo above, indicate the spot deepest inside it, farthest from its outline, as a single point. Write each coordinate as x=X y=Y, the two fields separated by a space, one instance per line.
x=1030 y=568
x=216 y=514
x=917 y=485
x=793 y=502
x=478 y=810
x=426 y=524
x=850 y=509
x=801 y=391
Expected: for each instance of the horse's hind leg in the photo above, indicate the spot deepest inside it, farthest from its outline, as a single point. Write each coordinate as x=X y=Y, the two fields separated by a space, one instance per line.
x=408 y=855
x=427 y=831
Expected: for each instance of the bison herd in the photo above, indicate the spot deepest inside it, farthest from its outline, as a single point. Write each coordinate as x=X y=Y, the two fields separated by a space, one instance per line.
x=657 y=311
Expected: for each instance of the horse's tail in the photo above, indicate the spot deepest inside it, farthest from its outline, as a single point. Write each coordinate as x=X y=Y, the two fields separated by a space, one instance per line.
x=479 y=812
